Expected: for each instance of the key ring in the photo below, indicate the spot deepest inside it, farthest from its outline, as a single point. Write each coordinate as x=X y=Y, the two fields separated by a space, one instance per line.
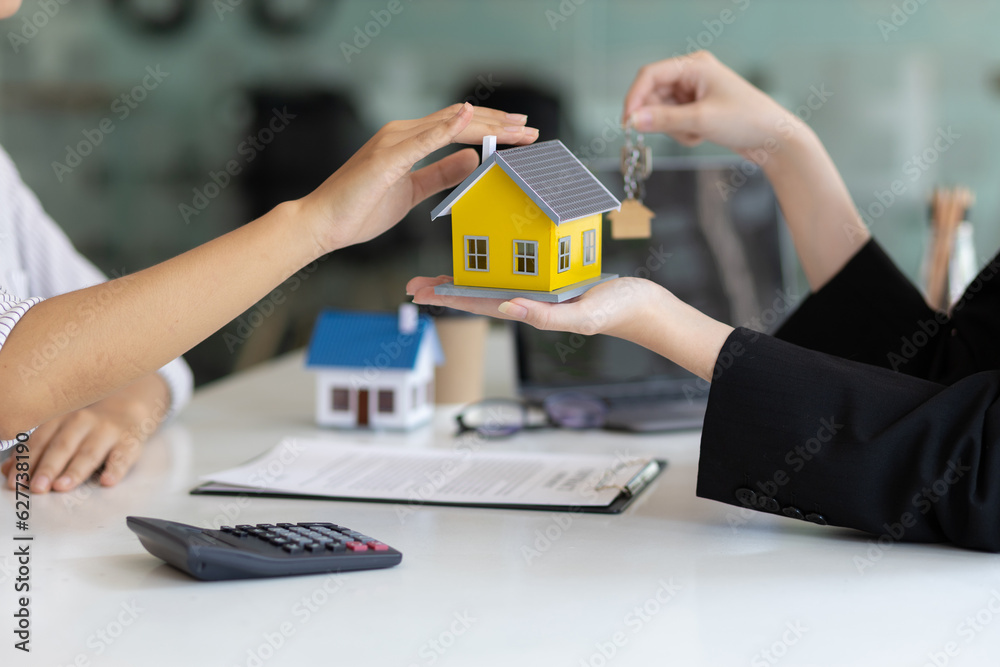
x=637 y=162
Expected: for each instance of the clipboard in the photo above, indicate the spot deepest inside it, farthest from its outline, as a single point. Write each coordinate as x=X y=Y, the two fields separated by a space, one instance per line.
x=547 y=481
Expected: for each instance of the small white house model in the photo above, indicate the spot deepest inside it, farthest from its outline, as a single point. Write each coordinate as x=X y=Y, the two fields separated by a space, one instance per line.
x=374 y=370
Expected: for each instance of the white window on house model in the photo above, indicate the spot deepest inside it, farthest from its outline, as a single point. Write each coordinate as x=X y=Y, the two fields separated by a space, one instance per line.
x=589 y=247
x=477 y=253
x=526 y=258
x=564 y=254
x=341 y=400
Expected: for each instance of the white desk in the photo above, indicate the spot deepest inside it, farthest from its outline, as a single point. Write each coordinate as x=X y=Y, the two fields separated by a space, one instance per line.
x=465 y=585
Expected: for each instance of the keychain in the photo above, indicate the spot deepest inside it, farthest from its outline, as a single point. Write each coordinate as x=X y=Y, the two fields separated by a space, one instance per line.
x=632 y=220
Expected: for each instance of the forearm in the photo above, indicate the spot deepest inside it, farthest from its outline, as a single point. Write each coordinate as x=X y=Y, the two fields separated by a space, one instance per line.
x=821 y=216
x=120 y=331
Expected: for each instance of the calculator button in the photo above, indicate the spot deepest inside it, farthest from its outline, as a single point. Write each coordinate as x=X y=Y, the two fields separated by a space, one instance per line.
x=313 y=546
x=292 y=548
x=267 y=526
x=336 y=547
x=244 y=527
x=278 y=541
x=378 y=546
x=227 y=529
x=286 y=525
x=357 y=546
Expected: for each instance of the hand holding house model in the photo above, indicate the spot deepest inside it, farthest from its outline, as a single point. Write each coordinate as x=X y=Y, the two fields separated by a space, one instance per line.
x=526 y=223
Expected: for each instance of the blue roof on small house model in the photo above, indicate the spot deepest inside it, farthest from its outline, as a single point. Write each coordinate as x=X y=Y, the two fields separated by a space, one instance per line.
x=365 y=339
x=550 y=175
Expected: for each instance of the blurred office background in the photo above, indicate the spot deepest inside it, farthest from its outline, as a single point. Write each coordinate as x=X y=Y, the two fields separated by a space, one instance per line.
x=878 y=80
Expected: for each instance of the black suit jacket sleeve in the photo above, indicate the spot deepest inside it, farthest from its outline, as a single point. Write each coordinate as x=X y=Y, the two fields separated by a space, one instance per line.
x=835 y=434
x=870 y=312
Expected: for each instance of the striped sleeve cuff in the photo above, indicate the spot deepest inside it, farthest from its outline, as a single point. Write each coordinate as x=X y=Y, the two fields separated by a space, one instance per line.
x=12 y=310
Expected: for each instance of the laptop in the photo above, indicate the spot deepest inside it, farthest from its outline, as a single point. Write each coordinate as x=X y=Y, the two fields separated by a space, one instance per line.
x=719 y=244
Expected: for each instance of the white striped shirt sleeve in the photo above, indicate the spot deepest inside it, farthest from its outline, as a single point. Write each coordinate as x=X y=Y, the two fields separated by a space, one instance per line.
x=37 y=259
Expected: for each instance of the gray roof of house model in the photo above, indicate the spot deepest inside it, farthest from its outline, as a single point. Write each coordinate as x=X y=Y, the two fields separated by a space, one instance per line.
x=550 y=175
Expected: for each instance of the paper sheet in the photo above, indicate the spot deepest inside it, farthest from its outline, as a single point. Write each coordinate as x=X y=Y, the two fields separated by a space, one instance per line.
x=318 y=468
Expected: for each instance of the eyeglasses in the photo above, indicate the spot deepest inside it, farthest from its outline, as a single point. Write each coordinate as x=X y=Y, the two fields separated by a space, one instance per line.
x=503 y=417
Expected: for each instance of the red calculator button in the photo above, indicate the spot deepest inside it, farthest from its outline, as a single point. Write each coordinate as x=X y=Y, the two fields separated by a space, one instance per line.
x=378 y=546
x=357 y=546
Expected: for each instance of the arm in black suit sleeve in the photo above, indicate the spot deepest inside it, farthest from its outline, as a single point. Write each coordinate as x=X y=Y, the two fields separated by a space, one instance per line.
x=860 y=446
x=871 y=313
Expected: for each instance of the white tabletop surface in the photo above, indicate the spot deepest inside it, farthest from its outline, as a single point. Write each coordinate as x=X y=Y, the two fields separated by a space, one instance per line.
x=675 y=580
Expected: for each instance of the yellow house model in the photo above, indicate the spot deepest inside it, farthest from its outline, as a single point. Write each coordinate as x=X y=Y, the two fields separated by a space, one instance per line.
x=526 y=222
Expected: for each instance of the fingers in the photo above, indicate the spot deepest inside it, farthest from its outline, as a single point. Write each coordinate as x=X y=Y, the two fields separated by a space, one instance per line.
x=445 y=173
x=508 y=128
x=88 y=457
x=422 y=291
x=662 y=74
x=659 y=81
x=512 y=135
x=516 y=135
x=425 y=139
x=599 y=310
x=74 y=430
x=535 y=313
x=682 y=122
x=67 y=451
x=119 y=461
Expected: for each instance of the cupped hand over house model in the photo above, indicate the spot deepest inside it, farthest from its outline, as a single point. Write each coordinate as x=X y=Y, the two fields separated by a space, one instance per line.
x=378 y=186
